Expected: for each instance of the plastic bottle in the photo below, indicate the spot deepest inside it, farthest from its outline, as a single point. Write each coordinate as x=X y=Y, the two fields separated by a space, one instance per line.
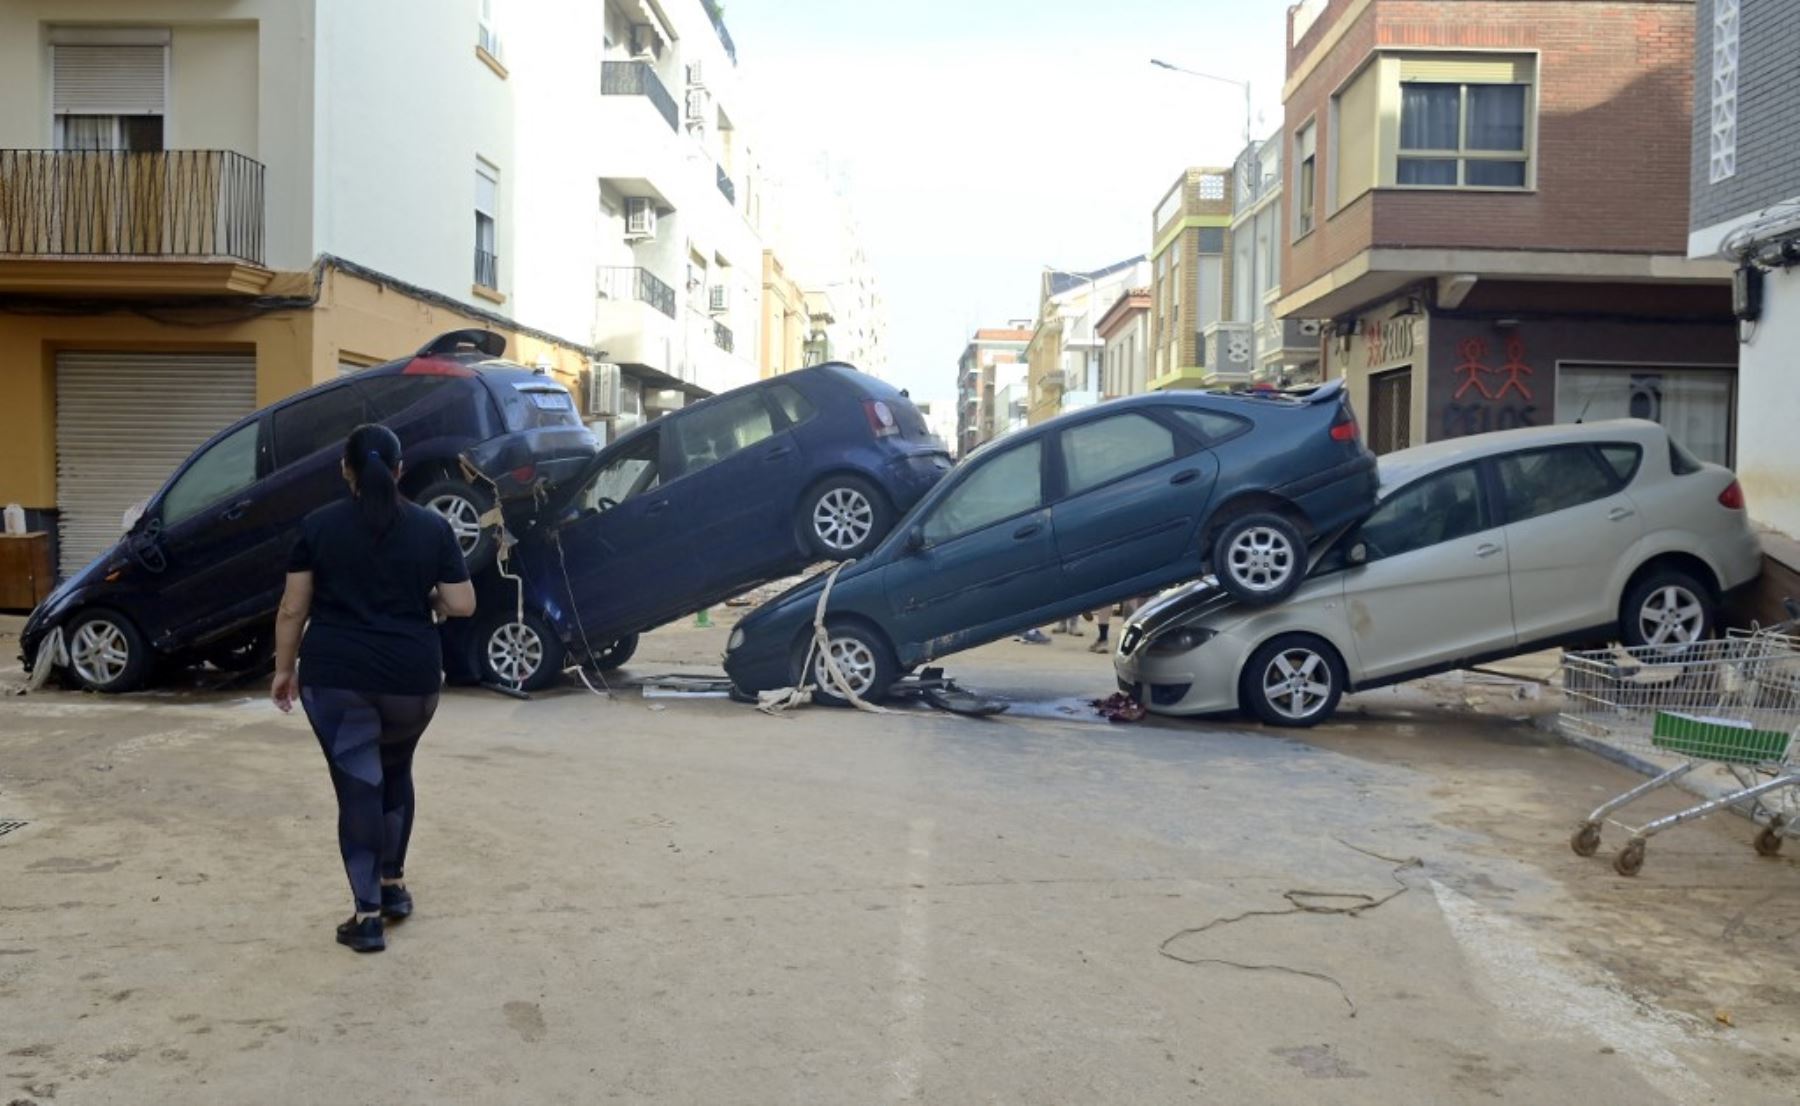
x=15 y=519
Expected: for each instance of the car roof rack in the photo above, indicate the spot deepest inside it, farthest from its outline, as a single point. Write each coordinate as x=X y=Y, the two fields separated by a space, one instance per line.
x=461 y=341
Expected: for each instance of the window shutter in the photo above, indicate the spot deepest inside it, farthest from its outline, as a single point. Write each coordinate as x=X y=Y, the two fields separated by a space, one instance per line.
x=108 y=80
x=1466 y=68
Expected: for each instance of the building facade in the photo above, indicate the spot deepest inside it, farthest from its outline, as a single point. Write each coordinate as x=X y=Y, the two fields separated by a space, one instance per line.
x=1125 y=334
x=1283 y=352
x=979 y=372
x=1440 y=213
x=785 y=322
x=1065 y=348
x=1189 y=233
x=1746 y=210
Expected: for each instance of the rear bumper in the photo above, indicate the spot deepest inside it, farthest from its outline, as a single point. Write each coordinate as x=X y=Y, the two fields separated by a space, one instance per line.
x=912 y=475
x=521 y=463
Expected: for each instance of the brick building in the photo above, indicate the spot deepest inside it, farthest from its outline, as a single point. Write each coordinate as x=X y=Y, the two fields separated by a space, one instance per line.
x=984 y=370
x=1487 y=201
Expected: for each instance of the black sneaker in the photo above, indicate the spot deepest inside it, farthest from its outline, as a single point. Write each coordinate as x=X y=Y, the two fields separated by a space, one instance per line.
x=362 y=936
x=396 y=901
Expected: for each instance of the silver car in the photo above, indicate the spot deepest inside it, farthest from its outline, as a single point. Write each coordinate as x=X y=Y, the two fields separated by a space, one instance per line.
x=1480 y=548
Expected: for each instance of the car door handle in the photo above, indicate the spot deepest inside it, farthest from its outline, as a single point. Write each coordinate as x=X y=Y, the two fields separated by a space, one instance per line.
x=236 y=510
x=1024 y=532
x=657 y=508
x=1486 y=549
x=1619 y=514
x=1186 y=476
x=778 y=454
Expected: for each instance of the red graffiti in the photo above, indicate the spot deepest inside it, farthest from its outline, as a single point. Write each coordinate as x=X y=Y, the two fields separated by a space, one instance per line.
x=1516 y=370
x=1474 y=354
x=1375 y=344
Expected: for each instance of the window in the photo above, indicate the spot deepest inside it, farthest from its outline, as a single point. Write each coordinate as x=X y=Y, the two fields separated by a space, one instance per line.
x=1681 y=462
x=487 y=211
x=487 y=36
x=1545 y=481
x=1622 y=459
x=228 y=466
x=632 y=472
x=1305 y=178
x=1097 y=452
x=109 y=97
x=1212 y=426
x=1697 y=406
x=1433 y=510
x=795 y=406
x=713 y=433
x=1009 y=484
x=391 y=395
x=318 y=422
x=1462 y=135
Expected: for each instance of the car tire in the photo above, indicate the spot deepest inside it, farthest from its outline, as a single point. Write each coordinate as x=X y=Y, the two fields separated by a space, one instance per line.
x=616 y=654
x=107 y=652
x=242 y=654
x=843 y=517
x=524 y=654
x=463 y=505
x=1667 y=609
x=1259 y=558
x=864 y=657
x=1267 y=688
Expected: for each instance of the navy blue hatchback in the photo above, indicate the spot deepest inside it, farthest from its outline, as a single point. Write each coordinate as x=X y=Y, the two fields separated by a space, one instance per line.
x=199 y=574
x=698 y=506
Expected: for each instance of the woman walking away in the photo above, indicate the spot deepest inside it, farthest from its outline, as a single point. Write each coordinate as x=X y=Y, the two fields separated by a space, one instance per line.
x=372 y=571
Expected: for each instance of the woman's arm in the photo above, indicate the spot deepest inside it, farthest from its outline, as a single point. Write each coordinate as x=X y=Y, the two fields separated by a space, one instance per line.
x=290 y=619
x=454 y=600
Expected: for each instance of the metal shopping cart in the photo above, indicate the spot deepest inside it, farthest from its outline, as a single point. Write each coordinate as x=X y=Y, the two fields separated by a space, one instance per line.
x=1732 y=703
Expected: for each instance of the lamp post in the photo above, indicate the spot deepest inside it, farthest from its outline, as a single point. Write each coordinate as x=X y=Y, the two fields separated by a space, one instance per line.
x=1245 y=85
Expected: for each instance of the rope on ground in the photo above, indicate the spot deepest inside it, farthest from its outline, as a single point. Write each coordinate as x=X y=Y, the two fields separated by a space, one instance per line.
x=788 y=698
x=1355 y=904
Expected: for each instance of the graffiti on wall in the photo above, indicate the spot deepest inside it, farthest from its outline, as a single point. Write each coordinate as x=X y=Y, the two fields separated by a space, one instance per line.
x=1490 y=395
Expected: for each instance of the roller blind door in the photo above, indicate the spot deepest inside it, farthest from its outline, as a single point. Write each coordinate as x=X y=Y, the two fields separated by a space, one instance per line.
x=124 y=423
x=108 y=80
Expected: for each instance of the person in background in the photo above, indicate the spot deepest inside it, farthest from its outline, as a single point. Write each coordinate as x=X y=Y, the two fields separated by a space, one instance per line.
x=1103 y=620
x=373 y=572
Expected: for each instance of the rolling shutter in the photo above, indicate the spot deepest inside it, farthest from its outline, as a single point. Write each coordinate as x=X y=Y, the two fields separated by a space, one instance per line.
x=124 y=423
x=109 y=80
x=1466 y=68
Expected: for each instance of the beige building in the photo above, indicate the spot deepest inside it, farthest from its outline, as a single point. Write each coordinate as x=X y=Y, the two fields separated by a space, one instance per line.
x=785 y=321
x=1189 y=284
x=1125 y=332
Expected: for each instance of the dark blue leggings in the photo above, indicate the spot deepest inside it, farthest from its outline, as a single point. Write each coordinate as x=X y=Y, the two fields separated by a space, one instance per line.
x=369 y=741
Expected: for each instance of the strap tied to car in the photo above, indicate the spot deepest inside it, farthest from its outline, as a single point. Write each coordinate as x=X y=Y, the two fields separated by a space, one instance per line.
x=787 y=698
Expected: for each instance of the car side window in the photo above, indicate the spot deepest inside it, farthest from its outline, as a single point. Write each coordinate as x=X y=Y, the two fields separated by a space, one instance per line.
x=708 y=436
x=795 y=406
x=1681 y=462
x=228 y=466
x=1106 y=449
x=318 y=422
x=1544 y=481
x=1438 y=508
x=1623 y=460
x=632 y=472
x=1008 y=484
x=1212 y=426
x=391 y=395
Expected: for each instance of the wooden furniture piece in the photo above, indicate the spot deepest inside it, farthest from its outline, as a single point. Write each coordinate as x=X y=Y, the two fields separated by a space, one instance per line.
x=26 y=574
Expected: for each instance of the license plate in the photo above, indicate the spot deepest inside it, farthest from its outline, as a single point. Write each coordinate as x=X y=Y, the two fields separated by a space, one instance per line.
x=551 y=401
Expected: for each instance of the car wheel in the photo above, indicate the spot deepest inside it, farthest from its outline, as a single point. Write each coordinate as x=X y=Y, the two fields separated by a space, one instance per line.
x=1294 y=680
x=520 y=653
x=1259 y=558
x=107 y=653
x=844 y=517
x=242 y=654
x=462 y=506
x=1667 y=609
x=864 y=659
x=616 y=654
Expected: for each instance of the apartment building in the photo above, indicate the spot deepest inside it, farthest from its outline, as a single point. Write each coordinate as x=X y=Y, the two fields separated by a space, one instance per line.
x=1283 y=352
x=1189 y=233
x=979 y=371
x=1125 y=338
x=1485 y=201
x=1746 y=210
x=206 y=205
x=785 y=321
x=810 y=222
x=1065 y=347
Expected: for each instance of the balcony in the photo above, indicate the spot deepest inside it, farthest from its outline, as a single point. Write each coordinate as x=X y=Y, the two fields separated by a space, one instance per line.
x=487 y=269
x=634 y=319
x=1230 y=349
x=717 y=15
x=172 y=221
x=722 y=337
x=637 y=78
x=726 y=188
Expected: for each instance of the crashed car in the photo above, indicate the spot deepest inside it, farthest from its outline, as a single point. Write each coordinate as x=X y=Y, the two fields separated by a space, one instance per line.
x=1084 y=510
x=1482 y=548
x=198 y=575
x=694 y=508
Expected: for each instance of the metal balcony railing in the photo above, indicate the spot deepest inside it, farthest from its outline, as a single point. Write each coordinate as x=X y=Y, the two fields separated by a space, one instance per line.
x=123 y=203
x=636 y=78
x=726 y=188
x=621 y=282
x=487 y=269
x=717 y=15
x=722 y=337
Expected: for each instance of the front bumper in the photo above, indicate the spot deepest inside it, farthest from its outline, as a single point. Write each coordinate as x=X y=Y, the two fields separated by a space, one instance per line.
x=1203 y=680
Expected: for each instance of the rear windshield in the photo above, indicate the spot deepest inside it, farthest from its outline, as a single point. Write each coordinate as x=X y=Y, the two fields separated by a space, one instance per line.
x=536 y=403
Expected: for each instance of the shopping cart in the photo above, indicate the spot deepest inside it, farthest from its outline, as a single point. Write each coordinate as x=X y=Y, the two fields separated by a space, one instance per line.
x=1732 y=703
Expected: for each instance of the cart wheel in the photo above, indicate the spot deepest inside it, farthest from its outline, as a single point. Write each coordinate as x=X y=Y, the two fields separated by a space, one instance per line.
x=1586 y=841
x=1768 y=842
x=1630 y=860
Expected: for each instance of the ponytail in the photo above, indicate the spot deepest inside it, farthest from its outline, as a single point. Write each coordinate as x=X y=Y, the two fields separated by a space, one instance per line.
x=372 y=454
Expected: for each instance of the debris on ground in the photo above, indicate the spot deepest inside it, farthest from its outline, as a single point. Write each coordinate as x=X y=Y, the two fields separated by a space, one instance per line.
x=1120 y=707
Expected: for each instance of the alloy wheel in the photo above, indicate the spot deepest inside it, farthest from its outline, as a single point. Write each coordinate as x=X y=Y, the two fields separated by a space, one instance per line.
x=1260 y=559
x=843 y=518
x=464 y=519
x=1671 y=615
x=99 y=652
x=515 y=653
x=855 y=660
x=1297 y=683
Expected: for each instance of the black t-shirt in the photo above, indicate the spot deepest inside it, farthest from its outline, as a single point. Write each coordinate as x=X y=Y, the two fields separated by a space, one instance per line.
x=371 y=627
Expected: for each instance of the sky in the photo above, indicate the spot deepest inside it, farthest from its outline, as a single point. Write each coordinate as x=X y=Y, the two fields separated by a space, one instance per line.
x=986 y=139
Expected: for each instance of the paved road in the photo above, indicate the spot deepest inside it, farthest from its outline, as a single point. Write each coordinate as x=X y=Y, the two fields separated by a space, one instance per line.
x=700 y=904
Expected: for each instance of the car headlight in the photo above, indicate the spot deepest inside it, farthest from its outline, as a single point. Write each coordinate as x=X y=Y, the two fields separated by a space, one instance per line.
x=1181 y=641
x=736 y=639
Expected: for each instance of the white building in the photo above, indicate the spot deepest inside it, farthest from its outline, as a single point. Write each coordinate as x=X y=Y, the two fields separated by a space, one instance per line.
x=812 y=225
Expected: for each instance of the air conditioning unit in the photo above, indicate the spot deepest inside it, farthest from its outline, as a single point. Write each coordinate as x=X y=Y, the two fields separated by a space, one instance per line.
x=603 y=394
x=720 y=299
x=697 y=103
x=1309 y=327
x=696 y=75
x=640 y=217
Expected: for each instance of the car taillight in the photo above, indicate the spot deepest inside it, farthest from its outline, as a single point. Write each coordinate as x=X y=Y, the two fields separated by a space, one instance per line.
x=1343 y=428
x=524 y=475
x=433 y=366
x=1732 y=498
x=881 y=418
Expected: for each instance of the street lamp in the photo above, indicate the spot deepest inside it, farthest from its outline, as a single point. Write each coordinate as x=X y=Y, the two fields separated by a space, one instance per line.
x=1245 y=85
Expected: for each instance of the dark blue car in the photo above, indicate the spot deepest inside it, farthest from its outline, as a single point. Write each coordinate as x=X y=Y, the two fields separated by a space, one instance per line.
x=698 y=506
x=1087 y=509
x=199 y=574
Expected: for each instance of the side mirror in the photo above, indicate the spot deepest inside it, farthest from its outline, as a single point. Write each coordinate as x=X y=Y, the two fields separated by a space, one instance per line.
x=915 y=539
x=1359 y=553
